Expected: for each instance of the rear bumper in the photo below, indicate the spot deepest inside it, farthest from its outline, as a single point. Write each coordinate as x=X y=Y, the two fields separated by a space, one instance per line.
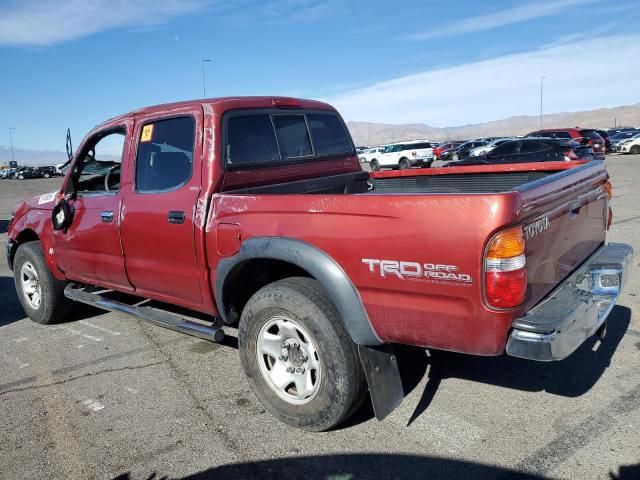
x=419 y=162
x=575 y=310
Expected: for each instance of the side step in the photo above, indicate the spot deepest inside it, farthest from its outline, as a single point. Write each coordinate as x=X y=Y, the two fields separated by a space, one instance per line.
x=149 y=314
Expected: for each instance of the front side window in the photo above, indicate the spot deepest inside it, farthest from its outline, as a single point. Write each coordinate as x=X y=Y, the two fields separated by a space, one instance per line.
x=532 y=147
x=165 y=154
x=506 y=148
x=99 y=167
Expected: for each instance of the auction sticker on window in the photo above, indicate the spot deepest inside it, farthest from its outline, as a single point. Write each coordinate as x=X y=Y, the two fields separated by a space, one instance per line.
x=147 y=133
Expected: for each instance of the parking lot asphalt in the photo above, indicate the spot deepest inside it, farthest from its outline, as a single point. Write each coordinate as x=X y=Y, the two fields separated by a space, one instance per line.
x=106 y=396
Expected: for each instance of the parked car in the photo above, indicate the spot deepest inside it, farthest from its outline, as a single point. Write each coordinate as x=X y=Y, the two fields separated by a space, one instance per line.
x=479 y=151
x=629 y=145
x=7 y=173
x=462 y=150
x=621 y=136
x=607 y=141
x=48 y=171
x=445 y=147
x=588 y=135
x=533 y=150
x=275 y=227
x=26 y=172
x=371 y=154
x=404 y=155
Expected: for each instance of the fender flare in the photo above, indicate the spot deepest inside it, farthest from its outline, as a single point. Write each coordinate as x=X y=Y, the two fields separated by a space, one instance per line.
x=321 y=266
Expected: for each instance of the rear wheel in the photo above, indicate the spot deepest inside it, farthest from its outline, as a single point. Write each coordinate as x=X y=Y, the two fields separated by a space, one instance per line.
x=40 y=294
x=635 y=149
x=404 y=164
x=453 y=157
x=375 y=166
x=46 y=175
x=20 y=177
x=298 y=357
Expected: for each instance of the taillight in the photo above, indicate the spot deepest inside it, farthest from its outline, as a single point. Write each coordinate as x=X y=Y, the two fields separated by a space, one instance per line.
x=608 y=187
x=570 y=155
x=505 y=276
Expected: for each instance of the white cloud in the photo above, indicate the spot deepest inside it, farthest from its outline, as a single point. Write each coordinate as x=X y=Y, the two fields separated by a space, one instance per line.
x=44 y=22
x=597 y=73
x=501 y=18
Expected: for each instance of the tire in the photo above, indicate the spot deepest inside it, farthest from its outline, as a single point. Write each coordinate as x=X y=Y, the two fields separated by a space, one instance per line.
x=635 y=150
x=20 y=177
x=403 y=164
x=52 y=306
x=297 y=311
x=46 y=175
x=375 y=166
x=454 y=157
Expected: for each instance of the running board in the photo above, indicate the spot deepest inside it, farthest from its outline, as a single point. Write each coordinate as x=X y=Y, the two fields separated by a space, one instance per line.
x=148 y=314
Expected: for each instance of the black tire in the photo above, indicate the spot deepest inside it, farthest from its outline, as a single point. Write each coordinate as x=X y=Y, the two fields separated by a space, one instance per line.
x=403 y=164
x=375 y=166
x=453 y=157
x=342 y=385
x=54 y=306
x=46 y=175
x=20 y=177
x=635 y=150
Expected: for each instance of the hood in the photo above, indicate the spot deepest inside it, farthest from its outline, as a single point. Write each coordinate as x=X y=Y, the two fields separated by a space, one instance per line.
x=45 y=201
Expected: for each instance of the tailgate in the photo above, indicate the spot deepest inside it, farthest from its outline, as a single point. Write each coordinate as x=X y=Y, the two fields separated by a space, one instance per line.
x=565 y=221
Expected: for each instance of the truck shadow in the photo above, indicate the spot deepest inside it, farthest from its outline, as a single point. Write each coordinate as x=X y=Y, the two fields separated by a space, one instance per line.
x=11 y=311
x=571 y=377
x=355 y=466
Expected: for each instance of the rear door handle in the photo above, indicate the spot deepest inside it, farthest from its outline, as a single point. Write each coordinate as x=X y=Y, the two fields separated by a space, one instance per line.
x=176 y=217
x=107 y=216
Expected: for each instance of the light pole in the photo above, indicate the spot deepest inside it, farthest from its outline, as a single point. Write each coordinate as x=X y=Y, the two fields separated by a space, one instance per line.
x=11 y=142
x=541 y=82
x=204 y=91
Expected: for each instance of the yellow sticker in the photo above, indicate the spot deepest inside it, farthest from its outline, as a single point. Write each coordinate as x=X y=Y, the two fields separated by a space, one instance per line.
x=147 y=133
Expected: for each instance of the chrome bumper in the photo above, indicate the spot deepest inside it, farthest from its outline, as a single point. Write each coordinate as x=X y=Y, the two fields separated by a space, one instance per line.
x=575 y=310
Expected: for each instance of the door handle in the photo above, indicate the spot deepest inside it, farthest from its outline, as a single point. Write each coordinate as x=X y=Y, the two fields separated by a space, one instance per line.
x=176 y=217
x=107 y=216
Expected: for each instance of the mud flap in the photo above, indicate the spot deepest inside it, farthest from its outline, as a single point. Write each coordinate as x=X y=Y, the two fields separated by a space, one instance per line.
x=383 y=377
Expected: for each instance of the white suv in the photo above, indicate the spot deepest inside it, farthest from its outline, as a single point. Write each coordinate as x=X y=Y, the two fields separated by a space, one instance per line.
x=405 y=155
x=630 y=145
x=371 y=154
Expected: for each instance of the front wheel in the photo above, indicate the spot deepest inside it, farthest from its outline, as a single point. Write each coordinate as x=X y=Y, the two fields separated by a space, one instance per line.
x=298 y=357
x=635 y=149
x=375 y=166
x=40 y=294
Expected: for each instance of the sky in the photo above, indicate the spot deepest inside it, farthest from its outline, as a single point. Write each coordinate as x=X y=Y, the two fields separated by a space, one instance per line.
x=76 y=63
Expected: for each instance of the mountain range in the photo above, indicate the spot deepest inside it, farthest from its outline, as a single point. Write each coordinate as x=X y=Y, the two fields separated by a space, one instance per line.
x=367 y=133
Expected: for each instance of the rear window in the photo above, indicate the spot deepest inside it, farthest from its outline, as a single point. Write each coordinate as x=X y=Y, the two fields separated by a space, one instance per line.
x=561 y=135
x=273 y=137
x=329 y=135
x=592 y=134
x=418 y=146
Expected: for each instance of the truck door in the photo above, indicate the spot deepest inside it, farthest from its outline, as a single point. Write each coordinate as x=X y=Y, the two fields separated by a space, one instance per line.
x=90 y=251
x=158 y=231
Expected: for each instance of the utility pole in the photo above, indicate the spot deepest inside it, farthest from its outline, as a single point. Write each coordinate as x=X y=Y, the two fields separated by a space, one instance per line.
x=204 y=91
x=11 y=142
x=541 y=82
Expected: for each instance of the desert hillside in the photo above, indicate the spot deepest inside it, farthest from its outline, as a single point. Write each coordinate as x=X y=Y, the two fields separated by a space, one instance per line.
x=365 y=133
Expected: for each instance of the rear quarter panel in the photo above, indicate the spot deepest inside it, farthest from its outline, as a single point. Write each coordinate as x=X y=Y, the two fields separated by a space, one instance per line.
x=425 y=229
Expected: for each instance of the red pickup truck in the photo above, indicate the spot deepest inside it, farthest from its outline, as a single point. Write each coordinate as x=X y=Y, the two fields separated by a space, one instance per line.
x=255 y=211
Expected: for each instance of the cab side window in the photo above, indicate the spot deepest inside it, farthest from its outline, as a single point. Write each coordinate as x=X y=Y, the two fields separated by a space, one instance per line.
x=164 y=160
x=98 y=170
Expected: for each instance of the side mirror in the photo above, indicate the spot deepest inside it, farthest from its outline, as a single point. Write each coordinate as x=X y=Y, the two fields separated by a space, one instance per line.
x=62 y=216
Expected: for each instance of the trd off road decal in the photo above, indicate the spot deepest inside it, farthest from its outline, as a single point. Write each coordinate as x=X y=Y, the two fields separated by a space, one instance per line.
x=421 y=272
x=536 y=228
